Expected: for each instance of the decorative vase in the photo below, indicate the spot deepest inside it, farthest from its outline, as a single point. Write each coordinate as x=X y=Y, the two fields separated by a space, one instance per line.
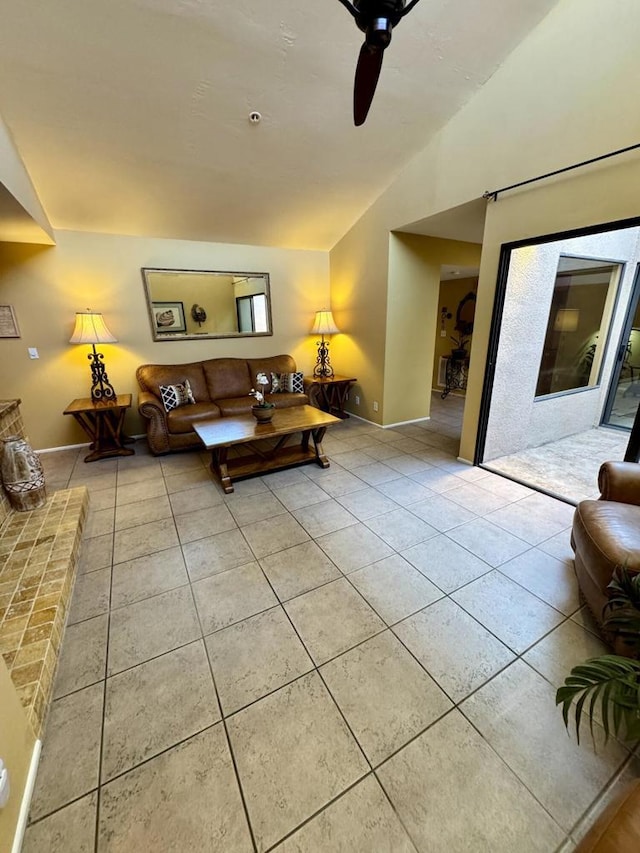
x=22 y=474
x=263 y=414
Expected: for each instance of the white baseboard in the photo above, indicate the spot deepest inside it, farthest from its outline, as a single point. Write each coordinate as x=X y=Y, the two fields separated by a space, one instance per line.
x=23 y=816
x=78 y=446
x=388 y=426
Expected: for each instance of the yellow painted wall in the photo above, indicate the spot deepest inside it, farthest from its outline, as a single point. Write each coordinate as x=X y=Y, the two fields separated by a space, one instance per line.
x=16 y=747
x=553 y=102
x=47 y=285
x=452 y=292
x=412 y=320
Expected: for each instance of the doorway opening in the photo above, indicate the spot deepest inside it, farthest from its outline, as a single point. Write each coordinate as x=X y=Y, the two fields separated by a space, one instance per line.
x=564 y=320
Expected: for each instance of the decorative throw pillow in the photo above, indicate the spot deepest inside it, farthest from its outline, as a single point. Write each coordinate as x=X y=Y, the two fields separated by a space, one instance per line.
x=174 y=396
x=276 y=382
x=291 y=382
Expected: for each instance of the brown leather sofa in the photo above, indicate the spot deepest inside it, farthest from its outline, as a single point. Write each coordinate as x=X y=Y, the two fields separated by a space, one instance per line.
x=221 y=389
x=606 y=532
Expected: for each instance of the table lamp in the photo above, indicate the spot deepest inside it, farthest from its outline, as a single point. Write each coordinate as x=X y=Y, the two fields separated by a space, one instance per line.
x=324 y=324
x=91 y=329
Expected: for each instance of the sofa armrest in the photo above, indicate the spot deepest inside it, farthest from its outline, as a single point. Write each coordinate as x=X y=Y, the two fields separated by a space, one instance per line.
x=620 y=481
x=151 y=408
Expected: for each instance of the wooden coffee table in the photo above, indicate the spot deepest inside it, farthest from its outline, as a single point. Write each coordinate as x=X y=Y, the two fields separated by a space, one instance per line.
x=260 y=448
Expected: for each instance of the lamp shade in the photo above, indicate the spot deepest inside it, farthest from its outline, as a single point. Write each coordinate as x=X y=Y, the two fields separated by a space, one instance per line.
x=324 y=324
x=91 y=329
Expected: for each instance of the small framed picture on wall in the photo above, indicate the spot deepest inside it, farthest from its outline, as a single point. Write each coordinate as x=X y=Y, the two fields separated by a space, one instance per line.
x=8 y=322
x=168 y=318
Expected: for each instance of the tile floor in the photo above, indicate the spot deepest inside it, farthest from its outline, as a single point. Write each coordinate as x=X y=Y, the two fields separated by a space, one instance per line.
x=362 y=658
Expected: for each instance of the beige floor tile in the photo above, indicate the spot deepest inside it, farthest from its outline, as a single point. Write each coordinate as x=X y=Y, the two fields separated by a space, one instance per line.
x=96 y=554
x=385 y=695
x=146 y=576
x=354 y=547
x=247 y=510
x=255 y=657
x=298 y=569
x=336 y=483
x=215 y=554
x=332 y=619
x=275 y=480
x=141 y=491
x=367 y=503
x=559 y=546
x=202 y=523
x=298 y=495
x=187 y=480
x=380 y=451
x=436 y=479
x=490 y=543
x=178 y=463
x=534 y=518
x=144 y=539
x=476 y=499
x=454 y=649
x=128 y=476
x=133 y=514
x=83 y=656
x=516 y=713
x=565 y=647
x=150 y=628
x=445 y=563
x=140 y=718
x=294 y=754
x=441 y=513
x=231 y=596
x=554 y=581
x=514 y=615
x=401 y=529
x=350 y=459
x=584 y=618
x=405 y=491
x=394 y=588
x=376 y=473
x=70 y=830
x=629 y=775
x=90 y=596
x=184 y=799
x=476 y=804
x=324 y=518
x=103 y=499
x=200 y=497
x=71 y=751
x=275 y=534
x=100 y=522
x=360 y=821
x=407 y=464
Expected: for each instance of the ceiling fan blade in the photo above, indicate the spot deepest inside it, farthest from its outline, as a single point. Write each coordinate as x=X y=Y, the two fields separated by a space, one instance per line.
x=367 y=73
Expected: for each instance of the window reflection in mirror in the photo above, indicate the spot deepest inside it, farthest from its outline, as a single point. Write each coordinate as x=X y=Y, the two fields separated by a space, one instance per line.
x=196 y=304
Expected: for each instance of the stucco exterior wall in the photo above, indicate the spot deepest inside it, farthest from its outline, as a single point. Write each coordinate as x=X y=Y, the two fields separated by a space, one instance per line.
x=517 y=420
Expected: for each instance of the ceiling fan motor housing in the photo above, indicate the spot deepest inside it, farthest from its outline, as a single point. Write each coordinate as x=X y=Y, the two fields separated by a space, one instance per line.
x=377 y=18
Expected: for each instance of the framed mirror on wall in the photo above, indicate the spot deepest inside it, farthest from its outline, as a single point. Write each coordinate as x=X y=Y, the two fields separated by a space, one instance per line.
x=195 y=304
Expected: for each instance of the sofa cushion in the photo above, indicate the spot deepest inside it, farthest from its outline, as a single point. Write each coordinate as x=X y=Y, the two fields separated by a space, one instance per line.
x=174 y=396
x=152 y=376
x=270 y=364
x=182 y=419
x=227 y=377
x=233 y=407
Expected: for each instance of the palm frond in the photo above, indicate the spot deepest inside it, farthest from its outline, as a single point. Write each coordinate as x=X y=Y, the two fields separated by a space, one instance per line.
x=611 y=683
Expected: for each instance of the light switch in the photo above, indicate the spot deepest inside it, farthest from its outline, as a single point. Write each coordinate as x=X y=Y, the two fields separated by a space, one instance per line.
x=33 y=352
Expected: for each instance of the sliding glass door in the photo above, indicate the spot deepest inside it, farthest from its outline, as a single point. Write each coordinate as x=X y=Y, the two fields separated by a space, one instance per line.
x=624 y=391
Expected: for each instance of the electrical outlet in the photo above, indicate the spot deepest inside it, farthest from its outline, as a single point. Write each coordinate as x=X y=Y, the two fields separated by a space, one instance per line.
x=443 y=333
x=357 y=400
x=33 y=352
x=375 y=405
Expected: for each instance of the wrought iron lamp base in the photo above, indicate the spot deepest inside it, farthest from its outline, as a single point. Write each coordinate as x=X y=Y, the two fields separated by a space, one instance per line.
x=101 y=388
x=323 y=369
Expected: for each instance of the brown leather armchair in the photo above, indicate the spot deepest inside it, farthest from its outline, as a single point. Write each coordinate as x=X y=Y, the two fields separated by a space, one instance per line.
x=606 y=532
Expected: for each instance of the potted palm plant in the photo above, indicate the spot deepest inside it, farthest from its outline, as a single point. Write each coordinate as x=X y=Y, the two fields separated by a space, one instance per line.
x=611 y=683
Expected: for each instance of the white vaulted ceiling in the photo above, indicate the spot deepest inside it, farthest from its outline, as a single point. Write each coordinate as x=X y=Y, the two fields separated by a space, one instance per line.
x=132 y=115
